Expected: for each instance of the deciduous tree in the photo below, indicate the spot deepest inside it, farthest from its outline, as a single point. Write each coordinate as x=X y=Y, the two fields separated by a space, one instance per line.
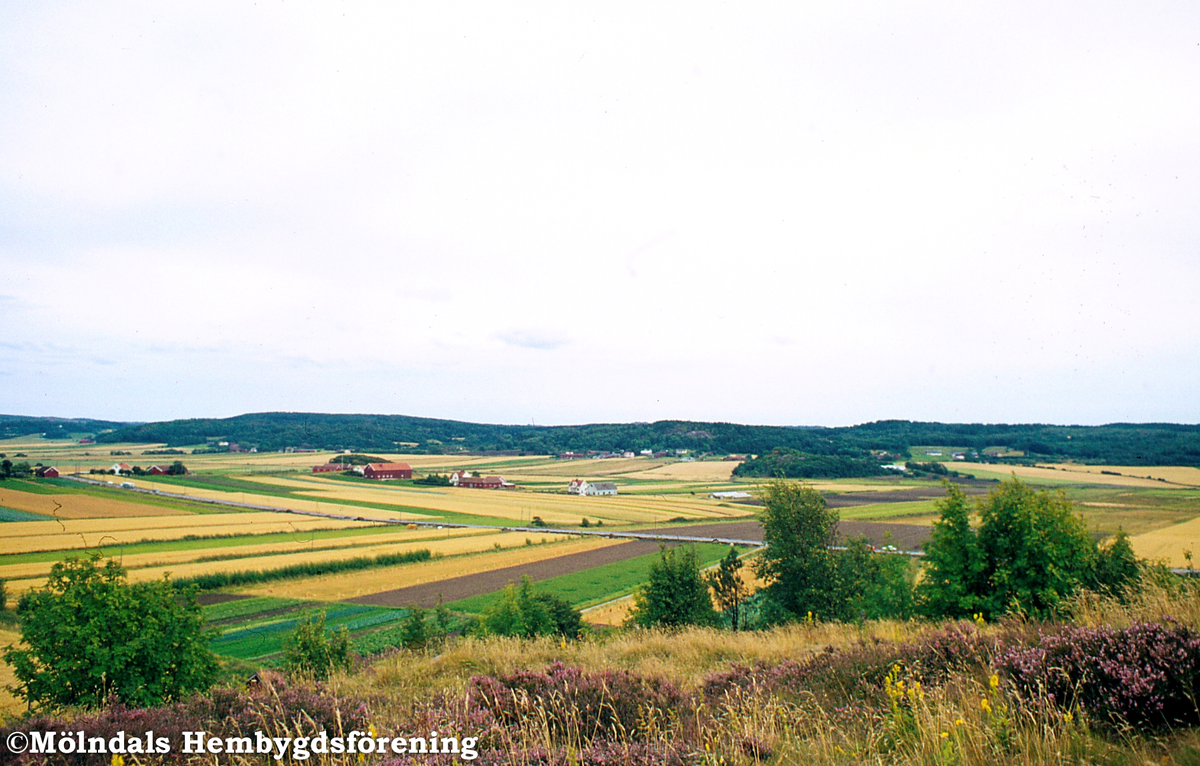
x=90 y=634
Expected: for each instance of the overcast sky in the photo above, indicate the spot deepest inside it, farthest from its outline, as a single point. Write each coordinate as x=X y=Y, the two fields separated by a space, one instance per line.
x=803 y=213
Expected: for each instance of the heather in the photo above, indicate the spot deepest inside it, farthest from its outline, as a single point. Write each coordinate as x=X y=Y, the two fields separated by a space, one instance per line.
x=911 y=692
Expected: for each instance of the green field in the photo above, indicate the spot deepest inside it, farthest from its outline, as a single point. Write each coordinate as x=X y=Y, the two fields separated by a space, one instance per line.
x=595 y=586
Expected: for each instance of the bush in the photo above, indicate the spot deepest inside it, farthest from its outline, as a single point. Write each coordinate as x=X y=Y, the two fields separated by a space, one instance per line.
x=521 y=611
x=1146 y=675
x=310 y=652
x=676 y=593
x=90 y=635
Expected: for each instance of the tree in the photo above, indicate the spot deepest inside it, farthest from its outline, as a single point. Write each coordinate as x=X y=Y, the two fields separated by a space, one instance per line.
x=177 y=469
x=414 y=633
x=798 y=529
x=1117 y=567
x=90 y=634
x=727 y=586
x=950 y=583
x=675 y=594
x=1034 y=548
x=521 y=611
x=310 y=651
x=868 y=585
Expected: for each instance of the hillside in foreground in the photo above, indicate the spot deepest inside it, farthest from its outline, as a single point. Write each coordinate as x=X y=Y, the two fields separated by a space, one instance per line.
x=819 y=693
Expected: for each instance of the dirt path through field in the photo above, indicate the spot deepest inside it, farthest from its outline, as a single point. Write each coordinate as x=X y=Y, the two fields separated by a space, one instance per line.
x=456 y=588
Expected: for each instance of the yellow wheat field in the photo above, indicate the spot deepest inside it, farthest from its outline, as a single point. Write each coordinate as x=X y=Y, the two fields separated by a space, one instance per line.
x=1175 y=474
x=1070 y=474
x=703 y=470
x=346 y=585
x=449 y=546
x=515 y=505
x=79 y=506
x=8 y=703
x=74 y=534
x=262 y=553
x=1169 y=544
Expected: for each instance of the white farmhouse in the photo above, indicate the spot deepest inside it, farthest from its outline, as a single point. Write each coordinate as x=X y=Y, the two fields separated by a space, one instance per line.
x=601 y=488
x=577 y=487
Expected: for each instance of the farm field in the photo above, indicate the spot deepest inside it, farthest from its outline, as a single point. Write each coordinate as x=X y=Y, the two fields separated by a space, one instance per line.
x=1067 y=473
x=153 y=534
x=351 y=585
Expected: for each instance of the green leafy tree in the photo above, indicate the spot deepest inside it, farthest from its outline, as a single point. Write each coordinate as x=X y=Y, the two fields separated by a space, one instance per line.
x=521 y=611
x=727 y=586
x=311 y=651
x=675 y=594
x=869 y=585
x=1035 y=550
x=1117 y=567
x=951 y=584
x=90 y=634
x=798 y=529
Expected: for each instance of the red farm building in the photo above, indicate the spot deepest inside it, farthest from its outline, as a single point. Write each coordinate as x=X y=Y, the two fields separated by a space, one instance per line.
x=387 y=471
x=49 y=472
x=484 y=482
x=330 y=467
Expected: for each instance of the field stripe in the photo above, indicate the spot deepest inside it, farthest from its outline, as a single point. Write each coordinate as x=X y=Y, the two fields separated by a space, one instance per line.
x=457 y=588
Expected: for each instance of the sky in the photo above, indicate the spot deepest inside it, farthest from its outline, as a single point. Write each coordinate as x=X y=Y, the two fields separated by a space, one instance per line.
x=815 y=213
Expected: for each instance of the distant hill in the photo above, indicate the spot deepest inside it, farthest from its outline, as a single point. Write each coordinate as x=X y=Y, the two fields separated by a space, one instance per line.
x=13 y=426
x=1118 y=443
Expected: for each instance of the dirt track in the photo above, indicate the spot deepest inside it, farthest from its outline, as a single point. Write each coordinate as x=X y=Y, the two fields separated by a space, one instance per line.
x=455 y=588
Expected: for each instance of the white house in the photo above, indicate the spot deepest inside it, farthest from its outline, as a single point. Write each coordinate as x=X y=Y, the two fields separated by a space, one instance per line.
x=457 y=476
x=601 y=488
x=730 y=495
x=577 y=487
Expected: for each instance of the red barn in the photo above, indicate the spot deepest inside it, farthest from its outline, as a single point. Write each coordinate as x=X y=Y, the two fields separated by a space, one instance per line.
x=157 y=470
x=388 y=471
x=484 y=482
x=328 y=467
x=49 y=472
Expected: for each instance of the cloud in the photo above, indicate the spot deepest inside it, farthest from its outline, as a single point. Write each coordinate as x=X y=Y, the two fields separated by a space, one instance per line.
x=532 y=340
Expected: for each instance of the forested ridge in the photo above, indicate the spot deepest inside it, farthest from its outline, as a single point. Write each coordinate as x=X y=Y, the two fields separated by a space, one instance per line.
x=1117 y=443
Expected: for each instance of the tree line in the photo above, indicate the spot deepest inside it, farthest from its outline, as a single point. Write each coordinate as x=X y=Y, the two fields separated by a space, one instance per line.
x=1117 y=444
x=1029 y=553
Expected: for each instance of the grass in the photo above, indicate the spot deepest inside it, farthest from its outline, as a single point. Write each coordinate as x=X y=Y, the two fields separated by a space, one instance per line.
x=8 y=514
x=246 y=607
x=596 y=585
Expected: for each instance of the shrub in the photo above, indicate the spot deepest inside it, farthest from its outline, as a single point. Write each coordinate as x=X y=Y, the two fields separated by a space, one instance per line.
x=308 y=651
x=1144 y=675
x=521 y=611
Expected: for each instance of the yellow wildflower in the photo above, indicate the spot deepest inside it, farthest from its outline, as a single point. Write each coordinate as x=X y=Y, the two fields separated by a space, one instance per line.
x=118 y=760
x=959 y=722
x=945 y=734
x=994 y=682
x=987 y=706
